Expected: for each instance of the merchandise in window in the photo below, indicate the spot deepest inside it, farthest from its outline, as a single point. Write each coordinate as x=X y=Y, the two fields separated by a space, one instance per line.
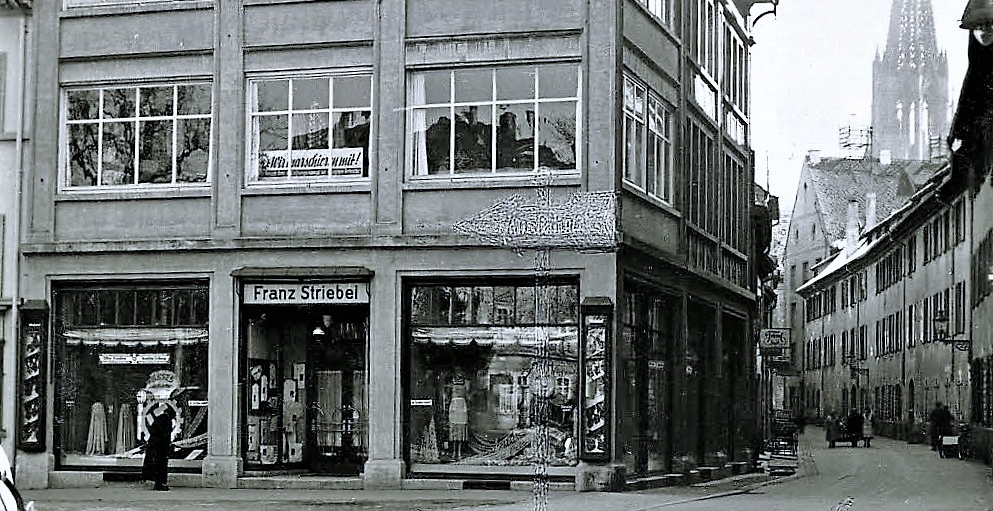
x=476 y=375
x=310 y=128
x=647 y=141
x=138 y=136
x=483 y=121
x=122 y=354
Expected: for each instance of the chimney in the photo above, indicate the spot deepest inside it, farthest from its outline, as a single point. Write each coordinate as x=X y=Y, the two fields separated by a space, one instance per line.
x=852 y=228
x=814 y=156
x=885 y=157
x=870 y=211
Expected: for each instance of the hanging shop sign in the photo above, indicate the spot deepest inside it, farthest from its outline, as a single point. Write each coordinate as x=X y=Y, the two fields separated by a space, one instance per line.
x=774 y=338
x=304 y=293
x=32 y=388
x=134 y=358
x=594 y=427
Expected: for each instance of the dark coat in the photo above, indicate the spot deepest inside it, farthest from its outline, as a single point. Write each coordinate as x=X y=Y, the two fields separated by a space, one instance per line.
x=159 y=447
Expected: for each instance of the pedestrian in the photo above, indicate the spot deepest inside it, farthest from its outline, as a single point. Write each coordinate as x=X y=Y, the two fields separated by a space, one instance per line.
x=159 y=446
x=867 y=427
x=934 y=419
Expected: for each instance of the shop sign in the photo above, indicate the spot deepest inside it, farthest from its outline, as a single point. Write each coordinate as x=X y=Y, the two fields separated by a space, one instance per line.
x=344 y=161
x=197 y=403
x=421 y=402
x=134 y=358
x=305 y=293
x=774 y=338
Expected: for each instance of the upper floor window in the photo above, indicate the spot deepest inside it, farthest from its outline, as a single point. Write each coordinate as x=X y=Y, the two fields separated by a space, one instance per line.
x=647 y=141
x=493 y=121
x=662 y=9
x=138 y=136
x=704 y=43
x=310 y=128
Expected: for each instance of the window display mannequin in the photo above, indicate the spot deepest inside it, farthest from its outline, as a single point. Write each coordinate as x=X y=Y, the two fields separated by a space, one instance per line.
x=458 y=417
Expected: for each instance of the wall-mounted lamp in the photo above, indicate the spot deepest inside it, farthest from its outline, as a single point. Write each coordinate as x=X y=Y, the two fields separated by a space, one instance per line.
x=978 y=18
x=940 y=322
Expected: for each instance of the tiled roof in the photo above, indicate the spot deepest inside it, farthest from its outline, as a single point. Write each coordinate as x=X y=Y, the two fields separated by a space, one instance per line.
x=838 y=180
x=15 y=4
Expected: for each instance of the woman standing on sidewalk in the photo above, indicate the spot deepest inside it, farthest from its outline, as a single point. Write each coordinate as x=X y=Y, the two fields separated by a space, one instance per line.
x=156 y=464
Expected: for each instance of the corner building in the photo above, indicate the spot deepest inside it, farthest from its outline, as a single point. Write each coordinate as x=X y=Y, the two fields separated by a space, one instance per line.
x=248 y=209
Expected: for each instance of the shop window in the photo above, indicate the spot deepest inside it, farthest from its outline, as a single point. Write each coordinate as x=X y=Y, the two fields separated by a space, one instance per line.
x=310 y=128
x=115 y=361
x=146 y=136
x=489 y=121
x=476 y=375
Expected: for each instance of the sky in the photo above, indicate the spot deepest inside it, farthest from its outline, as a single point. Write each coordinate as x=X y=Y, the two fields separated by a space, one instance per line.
x=812 y=74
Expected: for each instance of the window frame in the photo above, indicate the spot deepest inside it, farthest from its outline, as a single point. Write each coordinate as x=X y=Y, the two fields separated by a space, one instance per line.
x=410 y=171
x=251 y=180
x=65 y=173
x=651 y=139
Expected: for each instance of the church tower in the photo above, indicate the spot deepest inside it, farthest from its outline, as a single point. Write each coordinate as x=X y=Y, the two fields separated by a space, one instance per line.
x=910 y=86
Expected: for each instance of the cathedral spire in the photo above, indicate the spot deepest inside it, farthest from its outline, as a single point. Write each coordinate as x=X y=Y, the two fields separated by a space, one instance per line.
x=910 y=85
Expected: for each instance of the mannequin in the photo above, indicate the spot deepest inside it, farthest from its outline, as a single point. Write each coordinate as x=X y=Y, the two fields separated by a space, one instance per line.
x=458 y=417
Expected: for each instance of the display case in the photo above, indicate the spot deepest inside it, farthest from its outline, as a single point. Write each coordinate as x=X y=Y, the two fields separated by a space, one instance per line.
x=31 y=390
x=595 y=439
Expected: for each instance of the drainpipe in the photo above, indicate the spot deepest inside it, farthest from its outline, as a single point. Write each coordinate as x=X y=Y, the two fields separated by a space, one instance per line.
x=16 y=226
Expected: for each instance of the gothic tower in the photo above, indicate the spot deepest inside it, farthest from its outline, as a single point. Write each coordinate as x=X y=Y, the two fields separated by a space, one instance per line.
x=910 y=86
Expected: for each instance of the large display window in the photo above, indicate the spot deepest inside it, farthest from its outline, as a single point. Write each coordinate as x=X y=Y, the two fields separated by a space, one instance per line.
x=474 y=360
x=120 y=352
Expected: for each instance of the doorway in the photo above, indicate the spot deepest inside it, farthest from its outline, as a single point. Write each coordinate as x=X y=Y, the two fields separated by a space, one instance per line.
x=305 y=403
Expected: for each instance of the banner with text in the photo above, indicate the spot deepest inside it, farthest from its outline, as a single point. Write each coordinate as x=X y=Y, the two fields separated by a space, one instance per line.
x=304 y=293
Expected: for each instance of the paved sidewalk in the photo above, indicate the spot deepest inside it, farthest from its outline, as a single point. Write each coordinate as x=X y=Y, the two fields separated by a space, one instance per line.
x=139 y=497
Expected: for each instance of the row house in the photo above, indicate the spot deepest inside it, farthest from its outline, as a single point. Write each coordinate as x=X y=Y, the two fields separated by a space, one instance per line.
x=873 y=333
x=365 y=240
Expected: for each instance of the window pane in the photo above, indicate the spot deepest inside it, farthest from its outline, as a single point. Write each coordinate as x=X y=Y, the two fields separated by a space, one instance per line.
x=155 y=165
x=430 y=305
x=557 y=135
x=634 y=151
x=525 y=306
x=515 y=137
x=194 y=99
x=482 y=302
x=184 y=310
x=118 y=103
x=83 y=104
x=651 y=172
x=473 y=139
x=461 y=305
x=201 y=306
x=558 y=81
x=118 y=153
x=566 y=309
x=503 y=305
x=125 y=306
x=108 y=307
x=155 y=101
x=629 y=101
x=431 y=87
x=473 y=85
x=310 y=93
x=515 y=82
x=193 y=153
x=352 y=92
x=431 y=140
x=351 y=142
x=310 y=131
x=145 y=308
x=272 y=145
x=83 y=154
x=273 y=95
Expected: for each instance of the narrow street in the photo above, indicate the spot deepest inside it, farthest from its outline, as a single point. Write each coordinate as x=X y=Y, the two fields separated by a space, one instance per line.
x=891 y=475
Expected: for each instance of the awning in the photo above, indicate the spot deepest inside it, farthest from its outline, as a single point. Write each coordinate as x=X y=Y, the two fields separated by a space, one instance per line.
x=529 y=337
x=136 y=336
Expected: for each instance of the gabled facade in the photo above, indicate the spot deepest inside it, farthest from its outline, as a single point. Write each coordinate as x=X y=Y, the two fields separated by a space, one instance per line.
x=272 y=209
x=818 y=227
x=869 y=333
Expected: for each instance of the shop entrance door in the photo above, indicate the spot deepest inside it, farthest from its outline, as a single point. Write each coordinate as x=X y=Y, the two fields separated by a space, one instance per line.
x=305 y=388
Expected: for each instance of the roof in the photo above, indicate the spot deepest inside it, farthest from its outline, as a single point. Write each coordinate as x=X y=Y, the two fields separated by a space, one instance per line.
x=866 y=242
x=15 y=4
x=836 y=181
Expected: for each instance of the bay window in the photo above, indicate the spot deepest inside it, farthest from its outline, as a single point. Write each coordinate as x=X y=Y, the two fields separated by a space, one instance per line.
x=138 y=136
x=310 y=128
x=493 y=120
x=647 y=141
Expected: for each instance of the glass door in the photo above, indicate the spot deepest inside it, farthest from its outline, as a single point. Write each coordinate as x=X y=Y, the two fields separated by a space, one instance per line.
x=336 y=391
